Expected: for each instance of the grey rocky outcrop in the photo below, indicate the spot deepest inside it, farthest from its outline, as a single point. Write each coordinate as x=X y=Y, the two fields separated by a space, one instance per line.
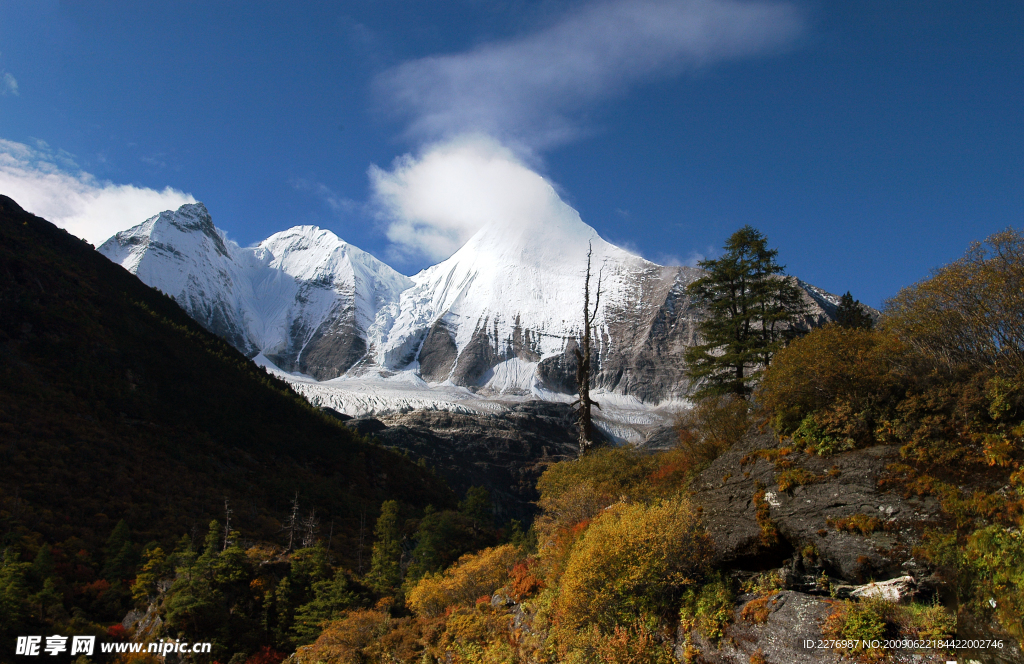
x=504 y=452
x=793 y=619
x=806 y=516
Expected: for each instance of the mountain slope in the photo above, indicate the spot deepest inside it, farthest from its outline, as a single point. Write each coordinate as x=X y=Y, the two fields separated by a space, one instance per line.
x=115 y=404
x=501 y=315
x=307 y=300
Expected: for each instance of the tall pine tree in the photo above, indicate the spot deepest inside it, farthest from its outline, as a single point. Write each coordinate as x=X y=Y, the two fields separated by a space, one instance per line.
x=385 y=564
x=750 y=311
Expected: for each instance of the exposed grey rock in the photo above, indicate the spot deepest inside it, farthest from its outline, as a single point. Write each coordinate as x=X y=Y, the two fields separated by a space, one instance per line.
x=793 y=624
x=332 y=350
x=341 y=417
x=367 y=426
x=725 y=492
x=794 y=618
x=505 y=453
x=438 y=353
x=480 y=354
x=660 y=440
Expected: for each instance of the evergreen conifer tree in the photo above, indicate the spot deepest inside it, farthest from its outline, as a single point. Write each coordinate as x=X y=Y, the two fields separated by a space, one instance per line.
x=331 y=597
x=119 y=554
x=478 y=507
x=385 y=562
x=851 y=313
x=751 y=309
x=13 y=594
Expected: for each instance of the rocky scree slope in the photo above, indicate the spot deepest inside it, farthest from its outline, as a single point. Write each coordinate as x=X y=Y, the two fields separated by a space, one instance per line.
x=833 y=526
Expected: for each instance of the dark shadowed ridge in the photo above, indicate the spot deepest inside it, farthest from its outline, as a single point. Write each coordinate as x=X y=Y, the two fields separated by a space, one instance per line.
x=115 y=404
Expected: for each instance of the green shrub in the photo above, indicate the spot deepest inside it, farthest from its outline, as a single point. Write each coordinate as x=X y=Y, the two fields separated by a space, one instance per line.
x=708 y=609
x=994 y=564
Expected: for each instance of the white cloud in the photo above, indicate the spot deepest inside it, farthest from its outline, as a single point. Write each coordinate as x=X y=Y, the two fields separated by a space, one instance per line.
x=50 y=185
x=433 y=203
x=529 y=91
x=9 y=84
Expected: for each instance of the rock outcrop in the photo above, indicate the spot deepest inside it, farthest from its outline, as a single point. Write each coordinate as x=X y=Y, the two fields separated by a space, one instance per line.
x=505 y=453
x=833 y=505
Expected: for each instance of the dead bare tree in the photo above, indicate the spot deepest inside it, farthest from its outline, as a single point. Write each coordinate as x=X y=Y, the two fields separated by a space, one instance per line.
x=310 y=528
x=293 y=522
x=584 y=404
x=227 y=523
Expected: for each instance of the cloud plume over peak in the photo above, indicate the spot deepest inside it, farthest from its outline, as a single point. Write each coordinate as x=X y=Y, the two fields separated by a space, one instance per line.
x=529 y=90
x=433 y=203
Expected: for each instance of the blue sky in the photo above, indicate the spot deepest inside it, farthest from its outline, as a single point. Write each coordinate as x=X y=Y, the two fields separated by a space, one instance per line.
x=870 y=141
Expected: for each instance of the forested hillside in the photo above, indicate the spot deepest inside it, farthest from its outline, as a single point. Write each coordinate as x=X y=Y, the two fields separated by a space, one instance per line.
x=125 y=426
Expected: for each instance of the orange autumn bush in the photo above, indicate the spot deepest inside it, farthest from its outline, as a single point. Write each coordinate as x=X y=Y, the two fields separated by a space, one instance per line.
x=344 y=640
x=473 y=576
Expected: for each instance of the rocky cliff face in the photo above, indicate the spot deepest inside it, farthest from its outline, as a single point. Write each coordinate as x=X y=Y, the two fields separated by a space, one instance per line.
x=505 y=453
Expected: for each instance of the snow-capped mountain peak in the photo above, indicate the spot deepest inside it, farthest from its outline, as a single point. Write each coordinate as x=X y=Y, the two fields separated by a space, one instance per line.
x=502 y=314
x=287 y=297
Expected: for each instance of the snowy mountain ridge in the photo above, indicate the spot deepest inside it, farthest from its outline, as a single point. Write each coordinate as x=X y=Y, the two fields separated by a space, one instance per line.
x=303 y=297
x=502 y=315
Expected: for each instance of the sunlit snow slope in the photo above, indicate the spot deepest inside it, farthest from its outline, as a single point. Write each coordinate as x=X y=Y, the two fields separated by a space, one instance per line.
x=303 y=297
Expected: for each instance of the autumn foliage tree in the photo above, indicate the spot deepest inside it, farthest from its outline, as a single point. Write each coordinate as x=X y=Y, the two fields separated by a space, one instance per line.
x=970 y=311
x=830 y=388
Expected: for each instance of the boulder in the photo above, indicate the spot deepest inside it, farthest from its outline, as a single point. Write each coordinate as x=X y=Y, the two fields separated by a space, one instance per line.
x=813 y=518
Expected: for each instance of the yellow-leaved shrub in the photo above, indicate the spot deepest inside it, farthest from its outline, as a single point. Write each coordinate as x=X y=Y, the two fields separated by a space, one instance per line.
x=475 y=575
x=344 y=640
x=827 y=389
x=633 y=561
x=573 y=492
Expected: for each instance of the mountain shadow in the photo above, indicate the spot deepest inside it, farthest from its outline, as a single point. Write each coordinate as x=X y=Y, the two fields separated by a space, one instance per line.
x=115 y=404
